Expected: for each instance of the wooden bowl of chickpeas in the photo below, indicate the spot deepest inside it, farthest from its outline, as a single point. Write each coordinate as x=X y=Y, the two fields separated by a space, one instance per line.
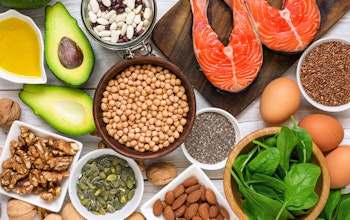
x=144 y=107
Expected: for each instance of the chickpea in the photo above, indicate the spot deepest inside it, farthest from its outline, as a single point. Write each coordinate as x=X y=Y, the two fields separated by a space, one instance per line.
x=145 y=107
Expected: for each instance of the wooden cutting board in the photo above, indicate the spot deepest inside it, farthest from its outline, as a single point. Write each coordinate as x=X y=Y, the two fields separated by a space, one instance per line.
x=173 y=35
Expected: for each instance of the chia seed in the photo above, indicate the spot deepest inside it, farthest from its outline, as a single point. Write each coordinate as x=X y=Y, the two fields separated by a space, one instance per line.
x=325 y=74
x=211 y=139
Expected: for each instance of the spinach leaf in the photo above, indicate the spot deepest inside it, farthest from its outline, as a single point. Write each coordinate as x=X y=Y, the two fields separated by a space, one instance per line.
x=300 y=183
x=309 y=203
x=271 y=141
x=269 y=181
x=265 y=162
x=329 y=209
x=267 y=191
x=286 y=141
x=304 y=145
x=256 y=205
x=242 y=160
x=343 y=212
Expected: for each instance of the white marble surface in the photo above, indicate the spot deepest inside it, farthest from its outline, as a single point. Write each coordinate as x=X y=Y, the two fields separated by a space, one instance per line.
x=249 y=119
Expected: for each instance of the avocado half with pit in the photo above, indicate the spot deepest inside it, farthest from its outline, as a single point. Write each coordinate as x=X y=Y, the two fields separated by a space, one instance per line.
x=67 y=109
x=68 y=52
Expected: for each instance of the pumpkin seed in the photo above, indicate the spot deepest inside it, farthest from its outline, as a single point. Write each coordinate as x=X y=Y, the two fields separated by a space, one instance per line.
x=106 y=184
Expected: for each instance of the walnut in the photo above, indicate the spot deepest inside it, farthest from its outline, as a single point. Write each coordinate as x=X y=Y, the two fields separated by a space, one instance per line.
x=19 y=210
x=37 y=165
x=9 y=112
x=161 y=173
x=70 y=213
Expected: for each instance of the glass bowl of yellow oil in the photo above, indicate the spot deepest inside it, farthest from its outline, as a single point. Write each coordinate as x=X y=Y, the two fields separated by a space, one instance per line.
x=21 y=49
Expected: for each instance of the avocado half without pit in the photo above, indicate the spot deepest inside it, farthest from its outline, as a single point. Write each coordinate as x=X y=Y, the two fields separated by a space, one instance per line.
x=67 y=109
x=68 y=52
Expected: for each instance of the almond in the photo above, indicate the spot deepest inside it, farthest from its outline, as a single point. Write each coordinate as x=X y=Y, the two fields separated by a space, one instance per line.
x=210 y=196
x=213 y=211
x=180 y=211
x=169 y=213
x=179 y=190
x=190 y=189
x=194 y=196
x=223 y=212
x=157 y=207
x=203 y=210
x=169 y=197
x=192 y=210
x=179 y=201
x=202 y=188
x=190 y=181
x=197 y=218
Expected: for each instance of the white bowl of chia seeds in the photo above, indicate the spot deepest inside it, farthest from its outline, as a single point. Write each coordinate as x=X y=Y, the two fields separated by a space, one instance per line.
x=214 y=133
x=106 y=185
x=323 y=74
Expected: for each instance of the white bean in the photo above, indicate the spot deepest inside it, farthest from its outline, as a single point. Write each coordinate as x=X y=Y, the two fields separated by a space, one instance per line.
x=137 y=19
x=130 y=18
x=120 y=17
x=100 y=28
x=112 y=18
x=130 y=4
x=146 y=22
x=139 y=27
x=92 y=17
x=129 y=32
x=147 y=13
x=102 y=21
x=105 y=33
x=115 y=36
x=106 y=3
x=109 y=14
x=138 y=9
x=94 y=6
x=113 y=26
x=123 y=30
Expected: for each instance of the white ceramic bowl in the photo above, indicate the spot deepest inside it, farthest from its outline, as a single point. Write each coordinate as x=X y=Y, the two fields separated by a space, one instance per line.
x=119 y=214
x=19 y=78
x=302 y=90
x=192 y=171
x=238 y=137
x=35 y=199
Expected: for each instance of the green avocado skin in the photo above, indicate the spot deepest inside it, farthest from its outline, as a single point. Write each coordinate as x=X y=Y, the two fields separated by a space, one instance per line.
x=43 y=99
x=60 y=24
x=24 y=4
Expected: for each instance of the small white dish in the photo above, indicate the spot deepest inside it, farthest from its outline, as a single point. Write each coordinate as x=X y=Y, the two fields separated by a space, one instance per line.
x=298 y=72
x=56 y=204
x=192 y=171
x=12 y=77
x=129 y=207
x=238 y=136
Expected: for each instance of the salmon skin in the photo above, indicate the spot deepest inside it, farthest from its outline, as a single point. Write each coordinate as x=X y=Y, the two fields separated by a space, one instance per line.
x=290 y=29
x=232 y=67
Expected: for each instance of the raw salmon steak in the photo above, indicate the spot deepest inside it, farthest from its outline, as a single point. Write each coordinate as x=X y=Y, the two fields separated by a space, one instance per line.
x=290 y=29
x=232 y=67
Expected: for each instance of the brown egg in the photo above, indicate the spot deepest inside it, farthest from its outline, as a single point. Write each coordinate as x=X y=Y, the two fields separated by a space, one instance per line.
x=279 y=100
x=326 y=131
x=338 y=163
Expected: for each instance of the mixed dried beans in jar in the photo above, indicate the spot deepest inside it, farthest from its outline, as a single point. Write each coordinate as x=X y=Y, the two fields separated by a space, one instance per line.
x=145 y=107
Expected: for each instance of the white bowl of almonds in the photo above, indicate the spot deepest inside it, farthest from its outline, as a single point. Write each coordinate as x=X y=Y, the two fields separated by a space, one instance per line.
x=119 y=24
x=43 y=183
x=323 y=74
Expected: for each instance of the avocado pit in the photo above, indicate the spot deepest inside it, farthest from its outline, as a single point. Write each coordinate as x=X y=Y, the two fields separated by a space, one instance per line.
x=69 y=53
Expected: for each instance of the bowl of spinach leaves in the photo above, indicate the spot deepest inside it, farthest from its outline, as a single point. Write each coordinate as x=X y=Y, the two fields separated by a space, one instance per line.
x=276 y=173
